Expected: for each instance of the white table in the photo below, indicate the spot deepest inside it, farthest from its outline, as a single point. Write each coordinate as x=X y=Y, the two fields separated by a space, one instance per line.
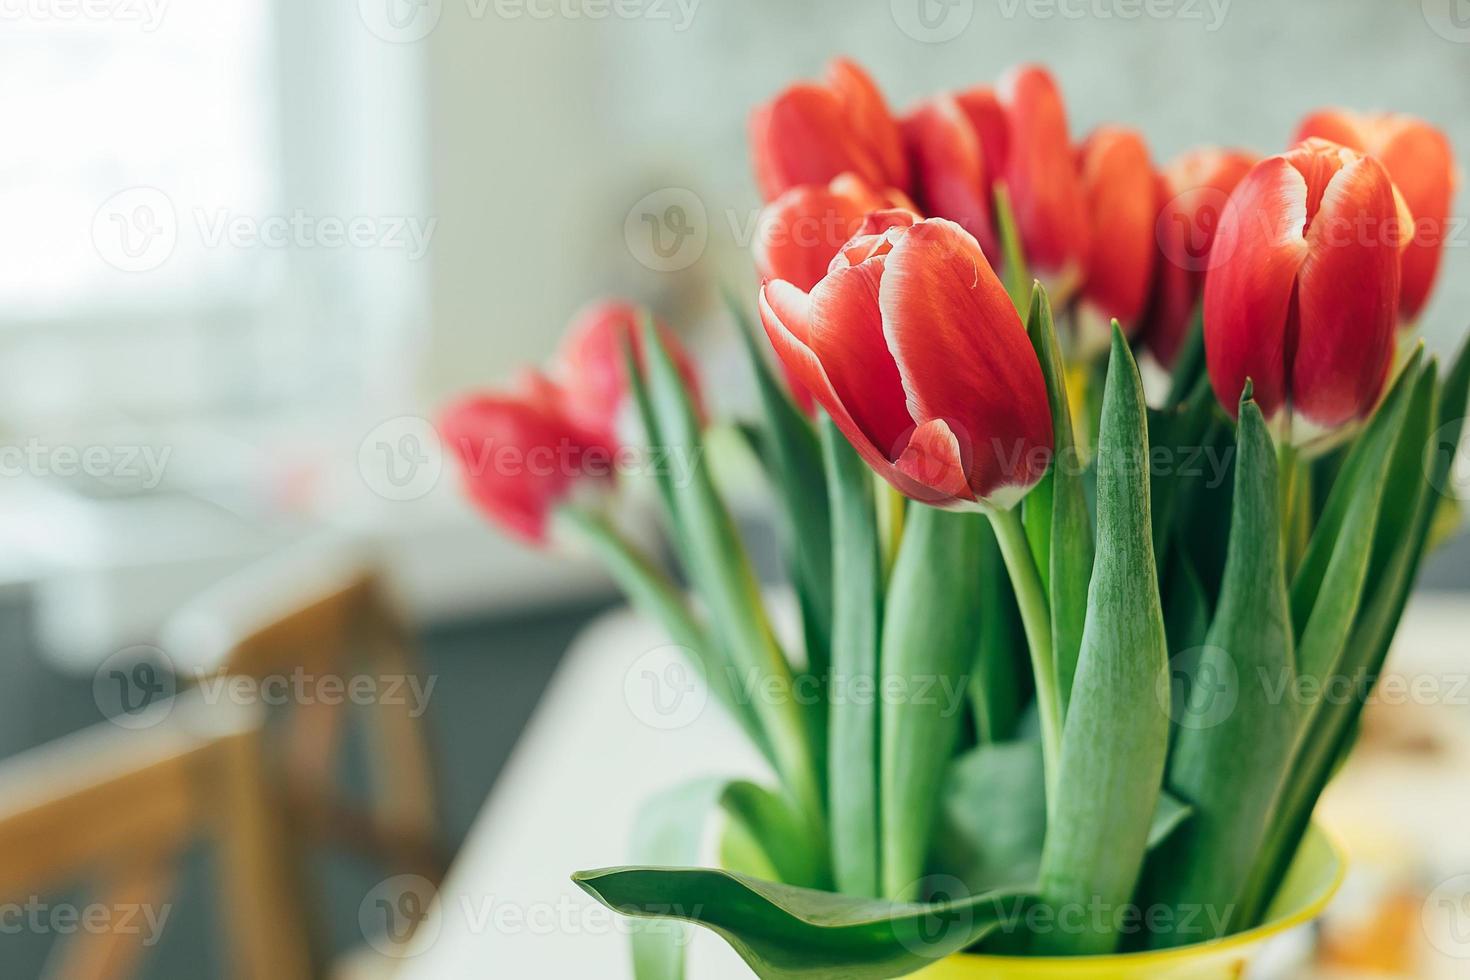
x=592 y=754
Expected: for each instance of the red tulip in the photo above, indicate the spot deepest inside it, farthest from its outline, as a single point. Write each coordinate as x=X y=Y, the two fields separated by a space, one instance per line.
x=591 y=369
x=521 y=454
x=1122 y=203
x=812 y=132
x=1041 y=175
x=1304 y=285
x=799 y=232
x=1192 y=191
x=1418 y=158
x=912 y=346
x=950 y=176
x=961 y=145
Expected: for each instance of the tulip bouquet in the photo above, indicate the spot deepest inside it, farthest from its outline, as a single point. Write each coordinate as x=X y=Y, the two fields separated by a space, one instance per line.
x=1062 y=680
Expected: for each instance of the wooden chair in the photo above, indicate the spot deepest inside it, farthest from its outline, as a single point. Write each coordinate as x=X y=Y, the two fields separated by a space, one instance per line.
x=320 y=613
x=117 y=808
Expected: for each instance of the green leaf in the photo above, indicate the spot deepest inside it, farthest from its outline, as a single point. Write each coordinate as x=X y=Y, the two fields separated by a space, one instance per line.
x=722 y=573
x=779 y=831
x=1328 y=587
x=1017 y=276
x=994 y=820
x=852 y=758
x=1407 y=503
x=669 y=830
x=1117 y=732
x=928 y=644
x=1065 y=570
x=788 y=933
x=653 y=594
x=795 y=463
x=1236 y=729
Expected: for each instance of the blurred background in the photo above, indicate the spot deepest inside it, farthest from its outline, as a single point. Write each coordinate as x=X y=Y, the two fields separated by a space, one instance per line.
x=250 y=247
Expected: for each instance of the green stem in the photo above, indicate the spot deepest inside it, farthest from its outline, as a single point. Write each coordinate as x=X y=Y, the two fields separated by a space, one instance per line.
x=1010 y=533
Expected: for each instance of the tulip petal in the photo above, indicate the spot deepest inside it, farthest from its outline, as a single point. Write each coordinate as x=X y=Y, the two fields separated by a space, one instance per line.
x=1122 y=205
x=799 y=232
x=949 y=175
x=1258 y=249
x=1347 y=298
x=1419 y=160
x=934 y=458
x=1045 y=188
x=801 y=363
x=847 y=336
x=871 y=122
x=519 y=457
x=963 y=354
x=803 y=136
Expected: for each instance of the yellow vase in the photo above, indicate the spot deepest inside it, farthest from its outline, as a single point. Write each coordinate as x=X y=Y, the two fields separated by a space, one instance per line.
x=1314 y=877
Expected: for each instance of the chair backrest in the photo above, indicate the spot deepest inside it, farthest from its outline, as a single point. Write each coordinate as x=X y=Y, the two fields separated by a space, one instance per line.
x=316 y=622
x=116 y=809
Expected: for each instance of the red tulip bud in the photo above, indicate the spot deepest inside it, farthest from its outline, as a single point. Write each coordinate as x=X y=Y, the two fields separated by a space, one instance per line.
x=799 y=232
x=1041 y=175
x=1192 y=191
x=1122 y=202
x=521 y=455
x=1303 y=288
x=812 y=132
x=912 y=346
x=591 y=367
x=1418 y=158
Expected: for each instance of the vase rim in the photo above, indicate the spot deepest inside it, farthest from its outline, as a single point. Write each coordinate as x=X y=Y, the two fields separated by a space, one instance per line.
x=1298 y=916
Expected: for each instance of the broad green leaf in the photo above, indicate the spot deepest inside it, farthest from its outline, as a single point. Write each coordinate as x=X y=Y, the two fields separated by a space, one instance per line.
x=930 y=617
x=994 y=818
x=1329 y=585
x=788 y=933
x=1236 y=730
x=1065 y=570
x=852 y=752
x=781 y=833
x=795 y=463
x=1417 y=468
x=723 y=575
x=1117 y=731
x=669 y=830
